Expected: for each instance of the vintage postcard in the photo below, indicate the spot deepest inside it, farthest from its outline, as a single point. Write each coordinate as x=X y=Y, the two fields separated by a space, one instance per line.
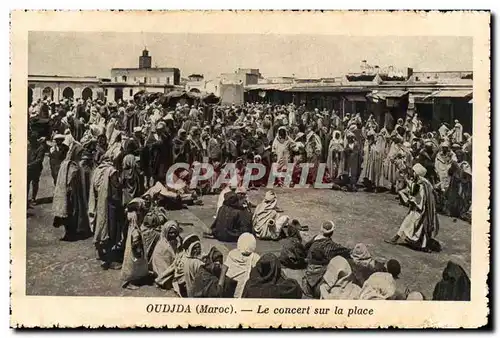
x=250 y=168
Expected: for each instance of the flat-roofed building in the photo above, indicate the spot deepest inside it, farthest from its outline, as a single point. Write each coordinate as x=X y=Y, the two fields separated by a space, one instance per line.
x=57 y=87
x=126 y=82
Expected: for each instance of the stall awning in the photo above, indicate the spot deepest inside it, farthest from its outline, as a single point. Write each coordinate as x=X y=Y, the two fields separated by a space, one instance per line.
x=269 y=86
x=452 y=93
x=325 y=89
x=384 y=94
x=421 y=98
x=355 y=98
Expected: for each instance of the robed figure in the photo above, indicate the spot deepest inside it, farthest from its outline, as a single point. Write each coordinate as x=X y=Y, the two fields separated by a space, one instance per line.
x=70 y=198
x=421 y=224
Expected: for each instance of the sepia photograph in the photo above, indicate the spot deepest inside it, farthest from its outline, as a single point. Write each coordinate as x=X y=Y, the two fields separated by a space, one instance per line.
x=320 y=167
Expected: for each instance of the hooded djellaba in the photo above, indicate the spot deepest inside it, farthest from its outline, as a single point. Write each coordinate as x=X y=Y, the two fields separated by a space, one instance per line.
x=282 y=147
x=57 y=154
x=267 y=281
x=180 y=146
x=106 y=211
x=455 y=284
x=382 y=147
x=293 y=254
x=363 y=264
x=444 y=159
x=133 y=185
x=389 y=167
x=334 y=155
x=240 y=262
x=459 y=193
x=232 y=219
x=70 y=199
x=210 y=280
x=187 y=265
x=135 y=264
x=338 y=281
x=163 y=150
x=370 y=171
x=151 y=227
x=264 y=217
x=380 y=286
x=166 y=252
x=350 y=164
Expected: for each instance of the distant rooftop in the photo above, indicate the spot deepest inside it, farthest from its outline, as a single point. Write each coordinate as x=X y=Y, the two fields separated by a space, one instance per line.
x=169 y=69
x=442 y=71
x=62 y=78
x=65 y=76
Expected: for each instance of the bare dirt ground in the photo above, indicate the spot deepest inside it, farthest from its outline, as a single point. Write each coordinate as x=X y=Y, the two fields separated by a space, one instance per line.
x=70 y=269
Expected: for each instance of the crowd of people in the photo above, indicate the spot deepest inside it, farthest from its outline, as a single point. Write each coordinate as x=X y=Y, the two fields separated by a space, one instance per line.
x=109 y=163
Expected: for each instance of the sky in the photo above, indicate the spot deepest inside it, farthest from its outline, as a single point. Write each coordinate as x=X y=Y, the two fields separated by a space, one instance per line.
x=305 y=56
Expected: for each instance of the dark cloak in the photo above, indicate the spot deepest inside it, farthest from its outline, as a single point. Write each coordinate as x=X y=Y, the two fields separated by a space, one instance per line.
x=293 y=254
x=427 y=161
x=328 y=249
x=459 y=193
x=206 y=282
x=267 y=281
x=180 y=150
x=232 y=220
x=130 y=179
x=319 y=254
x=77 y=221
x=161 y=156
x=455 y=284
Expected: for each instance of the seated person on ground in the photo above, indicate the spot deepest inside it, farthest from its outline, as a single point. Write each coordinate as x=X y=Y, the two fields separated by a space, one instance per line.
x=320 y=250
x=454 y=285
x=265 y=217
x=151 y=231
x=293 y=254
x=232 y=220
x=324 y=242
x=363 y=264
x=267 y=281
x=240 y=262
x=222 y=194
x=165 y=254
x=209 y=282
x=380 y=286
x=338 y=281
x=187 y=266
x=317 y=262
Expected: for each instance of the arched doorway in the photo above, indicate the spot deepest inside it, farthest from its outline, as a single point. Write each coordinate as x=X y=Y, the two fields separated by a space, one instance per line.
x=87 y=94
x=118 y=94
x=68 y=93
x=30 y=95
x=48 y=93
x=195 y=90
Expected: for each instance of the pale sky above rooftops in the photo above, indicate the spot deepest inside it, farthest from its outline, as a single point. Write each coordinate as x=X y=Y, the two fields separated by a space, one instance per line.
x=304 y=56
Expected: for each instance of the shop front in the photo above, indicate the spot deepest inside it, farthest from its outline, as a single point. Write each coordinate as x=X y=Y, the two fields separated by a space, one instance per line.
x=394 y=101
x=451 y=105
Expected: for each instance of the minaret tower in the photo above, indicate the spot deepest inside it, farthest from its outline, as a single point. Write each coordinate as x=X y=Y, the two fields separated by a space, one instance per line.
x=145 y=59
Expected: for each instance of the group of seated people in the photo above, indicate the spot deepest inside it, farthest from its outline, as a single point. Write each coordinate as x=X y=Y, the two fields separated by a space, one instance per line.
x=330 y=271
x=234 y=217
